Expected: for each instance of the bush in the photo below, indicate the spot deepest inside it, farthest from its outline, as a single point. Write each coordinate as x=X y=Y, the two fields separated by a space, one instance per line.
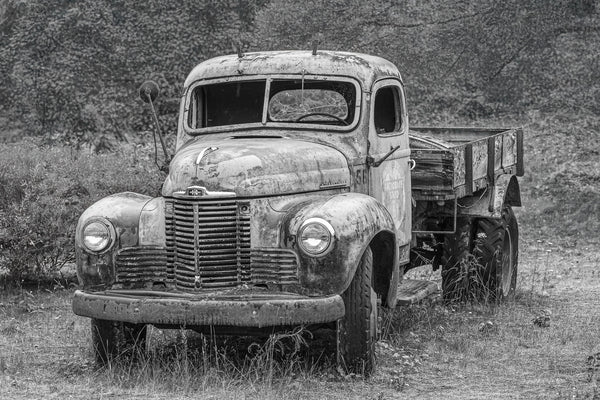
x=43 y=190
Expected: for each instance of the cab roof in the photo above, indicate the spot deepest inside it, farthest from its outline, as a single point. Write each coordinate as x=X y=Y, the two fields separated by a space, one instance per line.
x=367 y=69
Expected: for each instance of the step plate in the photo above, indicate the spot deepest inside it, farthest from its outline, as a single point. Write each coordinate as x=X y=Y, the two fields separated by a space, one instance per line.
x=411 y=291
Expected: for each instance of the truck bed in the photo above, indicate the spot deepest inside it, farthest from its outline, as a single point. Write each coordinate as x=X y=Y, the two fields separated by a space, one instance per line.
x=456 y=162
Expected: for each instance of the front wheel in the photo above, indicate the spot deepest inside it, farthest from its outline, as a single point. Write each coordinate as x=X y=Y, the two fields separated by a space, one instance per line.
x=357 y=331
x=116 y=339
x=497 y=250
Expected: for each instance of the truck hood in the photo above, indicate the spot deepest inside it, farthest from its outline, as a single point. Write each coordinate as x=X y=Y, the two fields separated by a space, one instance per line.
x=256 y=166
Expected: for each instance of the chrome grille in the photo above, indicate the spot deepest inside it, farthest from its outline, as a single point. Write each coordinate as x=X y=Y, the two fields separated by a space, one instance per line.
x=279 y=266
x=141 y=265
x=208 y=241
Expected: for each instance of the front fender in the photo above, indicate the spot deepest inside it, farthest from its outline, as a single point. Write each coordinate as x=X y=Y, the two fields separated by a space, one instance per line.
x=123 y=211
x=356 y=219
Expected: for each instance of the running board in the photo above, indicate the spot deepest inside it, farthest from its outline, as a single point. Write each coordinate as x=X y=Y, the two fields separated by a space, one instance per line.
x=411 y=291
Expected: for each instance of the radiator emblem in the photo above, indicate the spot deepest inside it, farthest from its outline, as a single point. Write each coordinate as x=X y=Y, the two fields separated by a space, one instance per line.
x=196 y=191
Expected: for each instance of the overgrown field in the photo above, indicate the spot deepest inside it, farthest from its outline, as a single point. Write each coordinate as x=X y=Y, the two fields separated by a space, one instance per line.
x=427 y=351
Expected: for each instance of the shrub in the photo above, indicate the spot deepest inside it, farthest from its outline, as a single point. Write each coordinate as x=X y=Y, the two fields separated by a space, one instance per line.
x=43 y=190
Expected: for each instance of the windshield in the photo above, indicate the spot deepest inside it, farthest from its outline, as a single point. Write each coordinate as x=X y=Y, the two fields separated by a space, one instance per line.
x=273 y=102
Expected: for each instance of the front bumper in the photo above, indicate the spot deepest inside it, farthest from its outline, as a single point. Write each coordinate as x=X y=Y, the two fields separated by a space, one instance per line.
x=243 y=309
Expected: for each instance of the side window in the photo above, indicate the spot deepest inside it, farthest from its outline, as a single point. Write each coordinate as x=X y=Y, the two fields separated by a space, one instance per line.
x=387 y=110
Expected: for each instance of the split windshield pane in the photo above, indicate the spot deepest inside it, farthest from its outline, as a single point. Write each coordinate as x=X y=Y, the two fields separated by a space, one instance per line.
x=312 y=101
x=228 y=103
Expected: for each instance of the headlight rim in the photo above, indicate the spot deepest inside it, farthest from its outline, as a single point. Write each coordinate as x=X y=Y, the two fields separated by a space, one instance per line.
x=111 y=233
x=326 y=225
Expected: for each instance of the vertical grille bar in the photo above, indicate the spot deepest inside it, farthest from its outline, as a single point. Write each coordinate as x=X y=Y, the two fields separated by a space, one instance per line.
x=198 y=276
x=170 y=237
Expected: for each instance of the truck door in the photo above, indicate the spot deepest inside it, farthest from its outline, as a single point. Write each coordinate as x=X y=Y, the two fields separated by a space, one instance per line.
x=390 y=180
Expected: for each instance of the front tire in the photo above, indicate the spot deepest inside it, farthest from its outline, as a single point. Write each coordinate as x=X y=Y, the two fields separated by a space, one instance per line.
x=357 y=331
x=115 y=339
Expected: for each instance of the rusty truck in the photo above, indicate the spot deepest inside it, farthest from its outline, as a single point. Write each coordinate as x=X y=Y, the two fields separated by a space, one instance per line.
x=298 y=195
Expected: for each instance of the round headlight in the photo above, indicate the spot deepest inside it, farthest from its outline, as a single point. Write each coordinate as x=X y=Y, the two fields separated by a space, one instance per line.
x=315 y=236
x=97 y=235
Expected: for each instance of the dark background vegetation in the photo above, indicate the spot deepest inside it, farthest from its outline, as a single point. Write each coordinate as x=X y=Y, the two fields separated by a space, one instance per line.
x=73 y=128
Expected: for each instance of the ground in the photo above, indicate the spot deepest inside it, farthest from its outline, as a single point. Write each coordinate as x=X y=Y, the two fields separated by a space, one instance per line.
x=540 y=345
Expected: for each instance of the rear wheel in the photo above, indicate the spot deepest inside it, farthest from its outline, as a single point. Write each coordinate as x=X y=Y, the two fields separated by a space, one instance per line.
x=497 y=250
x=357 y=331
x=116 y=339
x=455 y=261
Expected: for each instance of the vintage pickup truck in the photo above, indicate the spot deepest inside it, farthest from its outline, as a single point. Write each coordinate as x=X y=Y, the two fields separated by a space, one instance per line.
x=299 y=195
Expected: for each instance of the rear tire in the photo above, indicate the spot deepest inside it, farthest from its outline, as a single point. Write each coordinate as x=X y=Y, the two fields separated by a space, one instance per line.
x=115 y=339
x=497 y=250
x=455 y=257
x=357 y=331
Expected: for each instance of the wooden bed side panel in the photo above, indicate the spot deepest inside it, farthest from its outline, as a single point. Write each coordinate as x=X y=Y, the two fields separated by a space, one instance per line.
x=509 y=149
x=457 y=167
x=480 y=159
x=433 y=172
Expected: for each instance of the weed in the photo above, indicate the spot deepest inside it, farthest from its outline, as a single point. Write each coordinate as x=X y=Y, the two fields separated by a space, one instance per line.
x=193 y=362
x=470 y=281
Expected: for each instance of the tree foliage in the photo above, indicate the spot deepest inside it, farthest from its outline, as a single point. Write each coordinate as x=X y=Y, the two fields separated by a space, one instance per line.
x=71 y=69
x=455 y=54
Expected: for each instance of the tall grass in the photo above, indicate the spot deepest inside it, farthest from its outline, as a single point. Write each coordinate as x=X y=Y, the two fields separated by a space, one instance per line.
x=186 y=362
x=43 y=190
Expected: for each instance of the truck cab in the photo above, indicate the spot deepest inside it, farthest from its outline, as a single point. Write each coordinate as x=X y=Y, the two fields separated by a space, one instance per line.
x=287 y=202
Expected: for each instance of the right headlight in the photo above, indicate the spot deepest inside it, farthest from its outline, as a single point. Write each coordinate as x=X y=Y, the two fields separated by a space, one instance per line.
x=316 y=236
x=98 y=235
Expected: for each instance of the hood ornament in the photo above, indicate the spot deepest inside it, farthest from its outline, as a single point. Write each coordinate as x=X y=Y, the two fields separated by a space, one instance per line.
x=204 y=152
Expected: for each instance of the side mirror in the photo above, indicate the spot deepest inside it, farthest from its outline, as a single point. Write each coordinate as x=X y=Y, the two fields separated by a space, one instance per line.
x=149 y=91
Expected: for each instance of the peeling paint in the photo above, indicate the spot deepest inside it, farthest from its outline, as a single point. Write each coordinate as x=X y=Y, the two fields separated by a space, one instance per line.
x=251 y=167
x=244 y=310
x=221 y=246
x=365 y=67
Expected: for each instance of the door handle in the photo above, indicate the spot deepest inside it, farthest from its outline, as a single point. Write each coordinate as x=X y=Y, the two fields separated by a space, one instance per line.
x=372 y=163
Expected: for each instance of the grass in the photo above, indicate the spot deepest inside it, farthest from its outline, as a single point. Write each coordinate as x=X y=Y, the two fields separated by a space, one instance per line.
x=429 y=350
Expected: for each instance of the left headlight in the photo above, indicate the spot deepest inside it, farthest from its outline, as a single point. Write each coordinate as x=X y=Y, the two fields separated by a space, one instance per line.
x=315 y=236
x=98 y=235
